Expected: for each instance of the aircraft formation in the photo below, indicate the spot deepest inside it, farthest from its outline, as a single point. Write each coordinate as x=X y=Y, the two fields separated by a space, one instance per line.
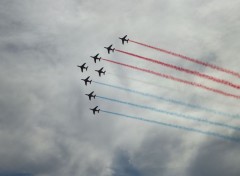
x=101 y=72
x=178 y=102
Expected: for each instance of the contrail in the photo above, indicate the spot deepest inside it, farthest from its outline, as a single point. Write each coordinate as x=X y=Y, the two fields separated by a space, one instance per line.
x=236 y=116
x=146 y=82
x=175 y=79
x=209 y=133
x=176 y=89
x=172 y=113
x=183 y=69
x=190 y=59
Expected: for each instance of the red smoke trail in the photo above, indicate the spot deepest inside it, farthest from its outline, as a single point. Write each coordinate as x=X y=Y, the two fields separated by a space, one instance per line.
x=190 y=59
x=167 y=87
x=147 y=82
x=183 y=69
x=175 y=79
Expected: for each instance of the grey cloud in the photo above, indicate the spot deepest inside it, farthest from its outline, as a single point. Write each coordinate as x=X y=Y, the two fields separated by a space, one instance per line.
x=122 y=166
x=14 y=174
x=216 y=158
x=152 y=157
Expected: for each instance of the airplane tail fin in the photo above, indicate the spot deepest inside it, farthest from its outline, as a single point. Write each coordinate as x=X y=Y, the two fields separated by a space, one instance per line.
x=104 y=72
x=98 y=110
x=113 y=49
x=94 y=96
x=86 y=68
x=127 y=40
x=91 y=82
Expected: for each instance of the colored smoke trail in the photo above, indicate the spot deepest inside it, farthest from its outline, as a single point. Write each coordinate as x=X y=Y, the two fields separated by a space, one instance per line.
x=190 y=59
x=176 y=89
x=169 y=100
x=209 y=133
x=171 y=113
x=146 y=82
x=175 y=79
x=183 y=69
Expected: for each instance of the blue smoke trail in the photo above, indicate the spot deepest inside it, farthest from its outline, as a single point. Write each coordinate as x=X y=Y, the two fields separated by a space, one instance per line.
x=172 y=113
x=171 y=100
x=176 y=126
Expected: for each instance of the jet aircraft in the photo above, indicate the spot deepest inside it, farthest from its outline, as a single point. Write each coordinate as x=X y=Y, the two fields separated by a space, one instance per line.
x=91 y=95
x=96 y=58
x=86 y=80
x=124 y=39
x=100 y=71
x=95 y=110
x=83 y=67
x=110 y=49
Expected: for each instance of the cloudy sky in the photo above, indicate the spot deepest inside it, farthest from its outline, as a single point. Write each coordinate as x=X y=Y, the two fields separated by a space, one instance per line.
x=46 y=127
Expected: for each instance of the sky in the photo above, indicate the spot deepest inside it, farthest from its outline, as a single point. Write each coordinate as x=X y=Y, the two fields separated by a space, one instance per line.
x=46 y=127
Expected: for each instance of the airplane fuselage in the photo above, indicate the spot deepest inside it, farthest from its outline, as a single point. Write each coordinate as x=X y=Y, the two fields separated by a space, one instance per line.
x=82 y=67
x=96 y=58
x=110 y=49
x=124 y=39
x=95 y=110
x=91 y=95
x=100 y=71
x=87 y=80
